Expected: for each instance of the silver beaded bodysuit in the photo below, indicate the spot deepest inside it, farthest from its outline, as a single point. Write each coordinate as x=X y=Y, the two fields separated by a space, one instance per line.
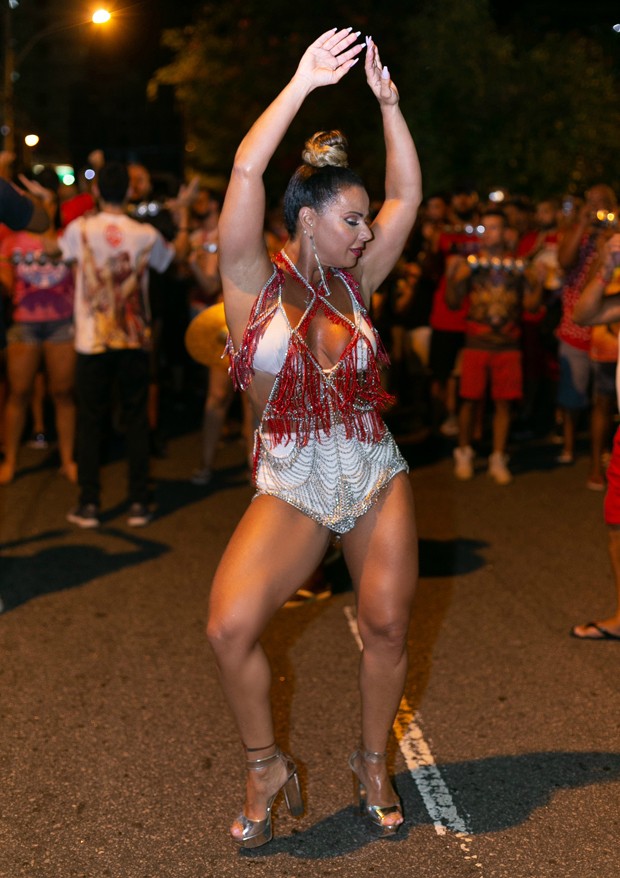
x=321 y=445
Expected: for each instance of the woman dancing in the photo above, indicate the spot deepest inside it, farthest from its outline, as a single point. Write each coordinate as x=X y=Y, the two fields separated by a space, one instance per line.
x=302 y=345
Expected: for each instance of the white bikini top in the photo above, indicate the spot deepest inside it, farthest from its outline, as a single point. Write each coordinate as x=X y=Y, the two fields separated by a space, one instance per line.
x=273 y=344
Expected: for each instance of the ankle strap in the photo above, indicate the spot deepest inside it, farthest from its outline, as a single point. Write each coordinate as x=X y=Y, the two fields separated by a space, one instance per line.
x=256 y=749
x=257 y=764
x=373 y=756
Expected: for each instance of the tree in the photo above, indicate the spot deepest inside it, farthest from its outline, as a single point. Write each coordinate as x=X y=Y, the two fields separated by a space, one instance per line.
x=540 y=118
x=229 y=64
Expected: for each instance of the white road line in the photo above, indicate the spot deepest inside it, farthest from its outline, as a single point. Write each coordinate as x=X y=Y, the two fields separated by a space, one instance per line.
x=421 y=764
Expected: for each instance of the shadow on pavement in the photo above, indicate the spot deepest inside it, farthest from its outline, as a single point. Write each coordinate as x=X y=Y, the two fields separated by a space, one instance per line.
x=450 y=557
x=491 y=795
x=500 y=792
x=57 y=568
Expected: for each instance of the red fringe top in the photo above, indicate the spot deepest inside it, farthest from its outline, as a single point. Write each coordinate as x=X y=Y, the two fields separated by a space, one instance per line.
x=306 y=399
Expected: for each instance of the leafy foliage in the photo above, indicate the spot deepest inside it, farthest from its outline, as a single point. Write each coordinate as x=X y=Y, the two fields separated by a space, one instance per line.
x=540 y=118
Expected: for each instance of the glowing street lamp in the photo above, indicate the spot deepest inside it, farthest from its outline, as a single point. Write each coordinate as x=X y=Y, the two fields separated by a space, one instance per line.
x=31 y=139
x=101 y=16
x=13 y=61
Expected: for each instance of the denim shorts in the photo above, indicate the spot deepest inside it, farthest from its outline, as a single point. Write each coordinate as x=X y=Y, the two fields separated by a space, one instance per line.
x=55 y=331
x=576 y=369
x=604 y=378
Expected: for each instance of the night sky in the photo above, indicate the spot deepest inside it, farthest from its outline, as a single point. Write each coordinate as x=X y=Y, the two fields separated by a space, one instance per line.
x=108 y=106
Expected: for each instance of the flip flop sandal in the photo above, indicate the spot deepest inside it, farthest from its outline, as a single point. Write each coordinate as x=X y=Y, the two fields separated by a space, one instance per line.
x=603 y=634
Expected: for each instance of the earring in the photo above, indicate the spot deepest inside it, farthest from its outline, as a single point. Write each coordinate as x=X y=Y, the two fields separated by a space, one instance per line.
x=321 y=272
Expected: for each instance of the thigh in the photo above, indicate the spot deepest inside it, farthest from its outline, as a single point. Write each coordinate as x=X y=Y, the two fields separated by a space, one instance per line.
x=421 y=343
x=60 y=364
x=381 y=553
x=220 y=393
x=272 y=552
x=23 y=362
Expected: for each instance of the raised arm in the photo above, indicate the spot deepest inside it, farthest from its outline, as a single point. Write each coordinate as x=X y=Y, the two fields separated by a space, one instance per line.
x=403 y=179
x=244 y=262
x=594 y=306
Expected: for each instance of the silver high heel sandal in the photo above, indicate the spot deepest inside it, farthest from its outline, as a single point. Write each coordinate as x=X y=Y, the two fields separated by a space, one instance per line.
x=376 y=814
x=258 y=832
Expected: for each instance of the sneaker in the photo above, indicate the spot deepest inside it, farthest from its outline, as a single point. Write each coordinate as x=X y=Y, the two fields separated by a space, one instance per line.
x=38 y=441
x=201 y=476
x=498 y=469
x=450 y=426
x=85 y=515
x=139 y=515
x=464 y=463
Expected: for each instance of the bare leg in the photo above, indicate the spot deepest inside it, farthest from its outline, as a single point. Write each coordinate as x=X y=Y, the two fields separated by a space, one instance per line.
x=259 y=571
x=477 y=431
x=600 y=428
x=452 y=396
x=60 y=361
x=22 y=365
x=218 y=402
x=381 y=554
x=466 y=415
x=36 y=403
x=569 y=423
x=611 y=624
x=501 y=424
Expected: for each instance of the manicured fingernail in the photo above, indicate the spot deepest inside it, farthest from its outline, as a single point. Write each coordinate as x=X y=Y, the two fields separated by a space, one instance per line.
x=385 y=73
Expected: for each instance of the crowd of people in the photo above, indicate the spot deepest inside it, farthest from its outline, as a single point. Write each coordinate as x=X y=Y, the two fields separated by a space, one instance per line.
x=484 y=288
x=480 y=319
x=491 y=306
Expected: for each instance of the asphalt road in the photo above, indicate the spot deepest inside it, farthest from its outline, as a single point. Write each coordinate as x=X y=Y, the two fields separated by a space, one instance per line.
x=117 y=753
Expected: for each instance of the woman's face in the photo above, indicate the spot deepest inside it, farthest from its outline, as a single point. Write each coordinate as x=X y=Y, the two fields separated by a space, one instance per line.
x=341 y=231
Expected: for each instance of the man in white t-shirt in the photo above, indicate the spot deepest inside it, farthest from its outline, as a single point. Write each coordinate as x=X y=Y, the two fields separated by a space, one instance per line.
x=597 y=306
x=113 y=254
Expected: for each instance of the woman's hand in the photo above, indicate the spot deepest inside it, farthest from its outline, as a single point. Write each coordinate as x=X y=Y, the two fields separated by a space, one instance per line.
x=329 y=58
x=378 y=76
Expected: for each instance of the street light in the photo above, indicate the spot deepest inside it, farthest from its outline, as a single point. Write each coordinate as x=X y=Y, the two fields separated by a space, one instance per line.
x=31 y=140
x=13 y=61
x=101 y=16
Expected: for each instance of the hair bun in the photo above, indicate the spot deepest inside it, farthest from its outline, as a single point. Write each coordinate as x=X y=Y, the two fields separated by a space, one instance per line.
x=326 y=148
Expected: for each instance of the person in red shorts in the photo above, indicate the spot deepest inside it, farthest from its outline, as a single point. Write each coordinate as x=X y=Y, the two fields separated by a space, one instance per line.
x=595 y=307
x=497 y=289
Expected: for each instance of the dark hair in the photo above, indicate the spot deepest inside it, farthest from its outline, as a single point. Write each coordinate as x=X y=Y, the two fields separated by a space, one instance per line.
x=320 y=178
x=494 y=211
x=113 y=182
x=48 y=178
